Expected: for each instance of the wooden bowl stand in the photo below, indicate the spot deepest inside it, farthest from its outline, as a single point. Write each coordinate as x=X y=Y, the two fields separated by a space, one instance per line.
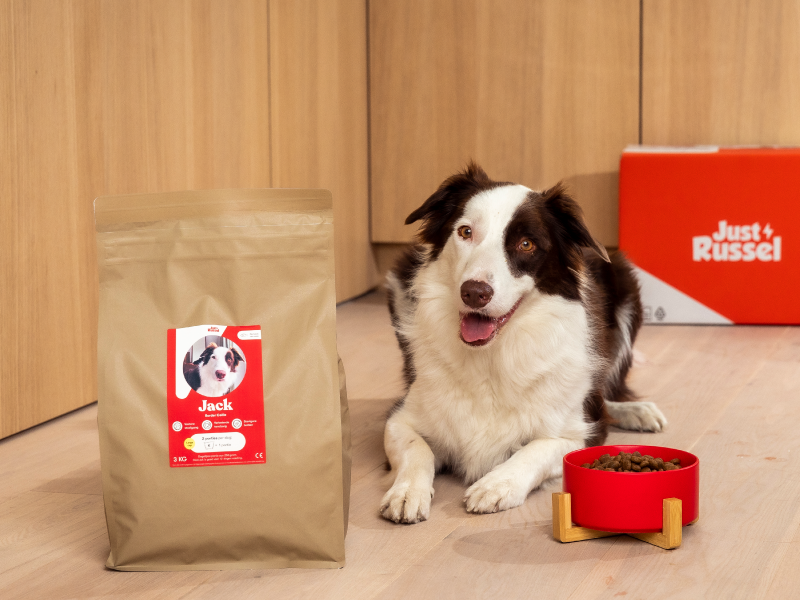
x=670 y=536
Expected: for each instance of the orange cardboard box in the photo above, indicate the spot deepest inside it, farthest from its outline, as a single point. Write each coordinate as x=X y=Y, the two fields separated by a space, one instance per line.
x=713 y=232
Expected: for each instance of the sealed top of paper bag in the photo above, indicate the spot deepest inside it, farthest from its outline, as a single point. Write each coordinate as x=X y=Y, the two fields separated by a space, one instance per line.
x=169 y=206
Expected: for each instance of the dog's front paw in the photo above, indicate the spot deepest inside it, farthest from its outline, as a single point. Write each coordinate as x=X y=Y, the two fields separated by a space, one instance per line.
x=492 y=493
x=639 y=416
x=407 y=503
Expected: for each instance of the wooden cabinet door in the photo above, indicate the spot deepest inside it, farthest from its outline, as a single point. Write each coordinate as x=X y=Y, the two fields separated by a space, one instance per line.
x=721 y=72
x=127 y=96
x=318 y=73
x=535 y=90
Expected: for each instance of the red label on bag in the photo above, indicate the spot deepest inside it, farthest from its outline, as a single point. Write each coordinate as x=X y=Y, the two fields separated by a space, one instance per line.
x=215 y=399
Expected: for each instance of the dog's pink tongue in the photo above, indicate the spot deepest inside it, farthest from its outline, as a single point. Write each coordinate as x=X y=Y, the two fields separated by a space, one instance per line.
x=474 y=327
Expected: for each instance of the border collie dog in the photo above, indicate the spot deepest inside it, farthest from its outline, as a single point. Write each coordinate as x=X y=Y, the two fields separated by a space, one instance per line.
x=516 y=330
x=216 y=373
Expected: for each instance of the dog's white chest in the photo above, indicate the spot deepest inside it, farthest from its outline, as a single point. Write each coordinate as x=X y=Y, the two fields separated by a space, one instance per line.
x=484 y=406
x=474 y=432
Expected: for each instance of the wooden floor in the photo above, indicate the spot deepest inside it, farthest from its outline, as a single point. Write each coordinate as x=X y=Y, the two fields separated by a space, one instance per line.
x=731 y=394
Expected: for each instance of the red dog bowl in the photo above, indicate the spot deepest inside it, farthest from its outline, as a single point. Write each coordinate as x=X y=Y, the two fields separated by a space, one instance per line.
x=630 y=502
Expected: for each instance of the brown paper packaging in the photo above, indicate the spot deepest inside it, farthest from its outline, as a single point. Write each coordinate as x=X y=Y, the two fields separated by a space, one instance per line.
x=235 y=257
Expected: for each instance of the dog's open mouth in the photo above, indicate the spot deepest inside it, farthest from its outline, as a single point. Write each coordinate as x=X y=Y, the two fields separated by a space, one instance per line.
x=479 y=330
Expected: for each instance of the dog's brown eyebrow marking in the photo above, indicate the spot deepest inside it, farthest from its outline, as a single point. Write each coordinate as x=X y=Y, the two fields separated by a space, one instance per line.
x=205 y=355
x=446 y=205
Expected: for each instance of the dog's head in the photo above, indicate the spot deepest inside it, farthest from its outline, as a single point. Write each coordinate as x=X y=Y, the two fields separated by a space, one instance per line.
x=219 y=363
x=503 y=243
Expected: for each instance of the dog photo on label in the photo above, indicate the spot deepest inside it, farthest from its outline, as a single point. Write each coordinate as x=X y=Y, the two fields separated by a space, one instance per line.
x=218 y=369
x=517 y=330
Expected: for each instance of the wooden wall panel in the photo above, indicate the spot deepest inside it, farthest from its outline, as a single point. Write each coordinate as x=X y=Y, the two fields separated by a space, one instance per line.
x=102 y=97
x=10 y=267
x=318 y=62
x=123 y=96
x=47 y=314
x=230 y=71
x=534 y=90
x=721 y=72
x=186 y=95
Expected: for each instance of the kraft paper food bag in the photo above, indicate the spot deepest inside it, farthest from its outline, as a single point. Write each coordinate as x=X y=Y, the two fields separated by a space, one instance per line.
x=224 y=428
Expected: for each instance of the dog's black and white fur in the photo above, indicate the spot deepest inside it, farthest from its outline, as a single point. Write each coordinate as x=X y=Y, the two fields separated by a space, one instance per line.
x=215 y=373
x=517 y=332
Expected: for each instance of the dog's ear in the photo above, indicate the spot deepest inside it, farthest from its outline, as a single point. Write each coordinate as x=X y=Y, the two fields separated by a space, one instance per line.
x=566 y=218
x=237 y=358
x=445 y=205
x=206 y=355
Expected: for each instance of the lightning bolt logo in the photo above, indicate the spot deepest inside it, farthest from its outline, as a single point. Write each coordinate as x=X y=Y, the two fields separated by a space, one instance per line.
x=768 y=231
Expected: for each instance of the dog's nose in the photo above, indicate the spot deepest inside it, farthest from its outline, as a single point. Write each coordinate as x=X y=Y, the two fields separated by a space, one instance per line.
x=220 y=374
x=476 y=294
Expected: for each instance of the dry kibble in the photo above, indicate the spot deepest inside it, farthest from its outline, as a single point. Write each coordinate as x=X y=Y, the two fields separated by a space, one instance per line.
x=632 y=463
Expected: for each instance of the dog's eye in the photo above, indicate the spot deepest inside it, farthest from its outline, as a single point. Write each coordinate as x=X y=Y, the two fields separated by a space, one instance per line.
x=526 y=245
x=465 y=231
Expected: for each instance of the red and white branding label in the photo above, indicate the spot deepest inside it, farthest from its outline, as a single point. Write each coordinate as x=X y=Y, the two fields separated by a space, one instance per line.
x=215 y=399
x=714 y=233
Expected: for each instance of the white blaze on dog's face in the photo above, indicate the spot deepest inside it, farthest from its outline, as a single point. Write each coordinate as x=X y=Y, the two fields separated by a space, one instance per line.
x=217 y=367
x=503 y=243
x=488 y=292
